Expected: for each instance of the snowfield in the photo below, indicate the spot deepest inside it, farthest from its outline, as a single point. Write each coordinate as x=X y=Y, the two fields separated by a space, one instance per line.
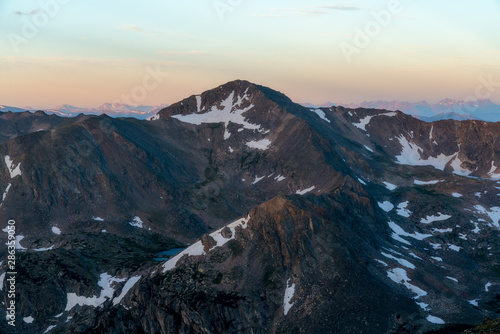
x=411 y=155
x=365 y=121
x=228 y=112
x=289 y=292
x=13 y=170
x=197 y=248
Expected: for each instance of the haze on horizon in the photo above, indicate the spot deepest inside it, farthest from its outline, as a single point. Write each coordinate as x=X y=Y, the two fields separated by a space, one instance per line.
x=88 y=53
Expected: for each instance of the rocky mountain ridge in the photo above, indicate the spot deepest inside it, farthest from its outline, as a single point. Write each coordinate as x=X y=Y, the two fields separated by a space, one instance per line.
x=481 y=109
x=340 y=220
x=110 y=109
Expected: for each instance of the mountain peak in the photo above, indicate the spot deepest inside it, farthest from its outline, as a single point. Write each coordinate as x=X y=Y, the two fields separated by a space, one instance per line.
x=66 y=106
x=238 y=83
x=237 y=94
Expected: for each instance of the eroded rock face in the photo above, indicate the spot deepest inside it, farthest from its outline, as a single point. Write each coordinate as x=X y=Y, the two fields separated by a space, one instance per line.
x=240 y=287
x=308 y=220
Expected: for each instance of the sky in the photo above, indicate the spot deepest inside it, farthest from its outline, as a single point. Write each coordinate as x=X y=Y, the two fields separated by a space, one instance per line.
x=150 y=52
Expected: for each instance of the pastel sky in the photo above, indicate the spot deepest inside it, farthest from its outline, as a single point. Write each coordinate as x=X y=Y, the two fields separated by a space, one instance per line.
x=87 y=52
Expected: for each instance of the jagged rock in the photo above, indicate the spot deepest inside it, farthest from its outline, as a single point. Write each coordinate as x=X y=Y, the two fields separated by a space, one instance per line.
x=208 y=242
x=226 y=233
x=489 y=326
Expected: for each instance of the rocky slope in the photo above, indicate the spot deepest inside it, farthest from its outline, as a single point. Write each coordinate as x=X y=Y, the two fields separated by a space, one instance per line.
x=14 y=124
x=340 y=220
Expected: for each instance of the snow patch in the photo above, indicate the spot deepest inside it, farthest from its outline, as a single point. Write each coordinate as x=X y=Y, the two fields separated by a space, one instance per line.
x=29 y=319
x=424 y=306
x=98 y=219
x=227 y=134
x=198 y=103
x=492 y=173
x=402 y=262
x=136 y=222
x=386 y=206
x=456 y=164
x=456 y=195
x=56 y=230
x=476 y=230
x=44 y=249
x=361 y=181
x=431 y=219
x=229 y=111
x=289 y=292
x=494 y=213
x=13 y=170
x=279 y=178
x=474 y=302
x=400 y=276
x=257 y=179
x=2 y=278
x=402 y=209
x=260 y=144
x=366 y=120
x=5 y=194
x=221 y=240
x=414 y=255
x=321 y=114
x=197 y=248
x=305 y=191
x=369 y=149
x=154 y=117
x=49 y=329
x=411 y=155
x=105 y=282
x=435 y=246
x=435 y=320
x=424 y=183
x=398 y=232
x=486 y=287
x=18 y=242
x=390 y=186
x=451 y=278
x=126 y=288
x=442 y=230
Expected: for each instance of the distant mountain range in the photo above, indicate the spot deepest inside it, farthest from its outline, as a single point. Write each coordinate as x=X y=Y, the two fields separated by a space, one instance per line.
x=110 y=109
x=483 y=109
x=458 y=110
